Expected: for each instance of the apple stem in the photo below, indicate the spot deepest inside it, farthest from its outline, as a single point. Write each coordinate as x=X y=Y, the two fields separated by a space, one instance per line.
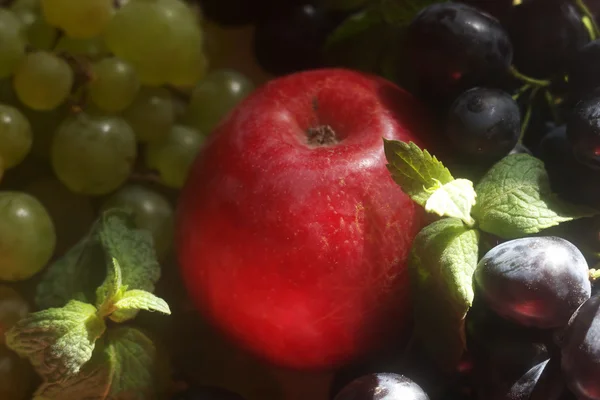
x=322 y=135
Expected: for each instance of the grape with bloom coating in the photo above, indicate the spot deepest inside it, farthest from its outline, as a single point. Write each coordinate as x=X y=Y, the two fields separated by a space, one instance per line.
x=27 y=236
x=93 y=154
x=114 y=84
x=383 y=386
x=13 y=308
x=15 y=136
x=79 y=19
x=43 y=81
x=151 y=211
x=16 y=376
x=214 y=97
x=12 y=45
x=151 y=115
x=173 y=156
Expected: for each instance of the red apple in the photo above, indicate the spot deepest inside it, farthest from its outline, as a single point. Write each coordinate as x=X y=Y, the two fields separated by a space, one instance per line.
x=292 y=236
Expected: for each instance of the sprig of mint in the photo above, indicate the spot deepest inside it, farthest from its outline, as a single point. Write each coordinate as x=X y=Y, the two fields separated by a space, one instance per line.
x=512 y=200
x=69 y=345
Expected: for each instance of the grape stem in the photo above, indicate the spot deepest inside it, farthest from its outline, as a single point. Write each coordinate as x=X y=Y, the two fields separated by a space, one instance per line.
x=594 y=274
x=583 y=8
x=528 y=113
x=527 y=79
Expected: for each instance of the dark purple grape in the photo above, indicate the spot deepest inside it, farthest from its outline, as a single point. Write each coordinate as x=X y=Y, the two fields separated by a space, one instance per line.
x=581 y=351
x=546 y=34
x=454 y=47
x=484 y=124
x=497 y=8
x=382 y=386
x=583 y=131
x=293 y=40
x=207 y=393
x=240 y=12
x=534 y=281
x=583 y=70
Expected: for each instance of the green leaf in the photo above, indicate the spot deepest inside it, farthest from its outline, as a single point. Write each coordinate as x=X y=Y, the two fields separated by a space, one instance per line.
x=133 y=248
x=442 y=261
x=416 y=171
x=454 y=199
x=514 y=199
x=126 y=366
x=112 y=287
x=134 y=300
x=57 y=341
x=402 y=12
x=355 y=25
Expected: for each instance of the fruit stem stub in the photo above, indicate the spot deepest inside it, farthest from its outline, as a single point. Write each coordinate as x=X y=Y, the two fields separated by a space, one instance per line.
x=322 y=135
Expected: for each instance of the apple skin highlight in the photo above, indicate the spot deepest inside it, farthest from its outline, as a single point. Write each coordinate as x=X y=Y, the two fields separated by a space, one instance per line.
x=294 y=243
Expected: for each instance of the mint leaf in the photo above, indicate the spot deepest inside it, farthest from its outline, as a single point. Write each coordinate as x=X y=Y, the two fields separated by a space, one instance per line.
x=442 y=261
x=57 y=341
x=454 y=199
x=135 y=300
x=355 y=25
x=514 y=199
x=110 y=289
x=133 y=248
x=416 y=171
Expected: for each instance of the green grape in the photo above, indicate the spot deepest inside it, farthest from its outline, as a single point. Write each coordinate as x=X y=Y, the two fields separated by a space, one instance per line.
x=16 y=376
x=39 y=33
x=151 y=211
x=12 y=43
x=43 y=81
x=79 y=19
x=27 y=236
x=15 y=136
x=214 y=97
x=190 y=68
x=152 y=114
x=93 y=154
x=173 y=156
x=71 y=213
x=114 y=84
x=13 y=308
x=92 y=48
x=153 y=36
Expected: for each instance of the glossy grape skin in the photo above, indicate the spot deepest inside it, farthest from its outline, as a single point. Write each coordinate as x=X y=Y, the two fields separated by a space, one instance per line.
x=382 y=386
x=114 y=84
x=214 y=97
x=12 y=47
x=454 y=47
x=293 y=40
x=581 y=351
x=92 y=48
x=151 y=211
x=79 y=19
x=16 y=376
x=13 y=308
x=583 y=70
x=93 y=154
x=583 y=131
x=545 y=36
x=151 y=115
x=534 y=281
x=15 y=136
x=484 y=124
x=27 y=236
x=207 y=393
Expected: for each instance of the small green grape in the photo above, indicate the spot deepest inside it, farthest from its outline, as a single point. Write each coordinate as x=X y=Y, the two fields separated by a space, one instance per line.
x=114 y=85
x=151 y=211
x=93 y=154
x=39 y=34
x=79 y=19
x=27 y=236
x=15 y=136
x=151 y=115
x=12 y=43
x=173 y=156
x=92 y=48
x=43 y=81
x=13 y=308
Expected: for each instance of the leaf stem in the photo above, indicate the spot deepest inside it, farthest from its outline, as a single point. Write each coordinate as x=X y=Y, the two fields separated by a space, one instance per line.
x=583 y=8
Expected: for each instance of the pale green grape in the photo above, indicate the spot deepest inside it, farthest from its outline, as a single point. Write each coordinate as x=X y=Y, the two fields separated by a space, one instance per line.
x=191 y=66
x=214 y=97
x=71 y=213
x=93 y=48
x=15 y=136
x=13 y=308
x=173 y=156
x=27 y=236
x=79 y=18
x=114 y=84
x=39 y=33
x=153 y=36
x=16 y=376
x=12 y=43
x=93 y=154
x=151 y=211
x=152 y=114
x=43 y=81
